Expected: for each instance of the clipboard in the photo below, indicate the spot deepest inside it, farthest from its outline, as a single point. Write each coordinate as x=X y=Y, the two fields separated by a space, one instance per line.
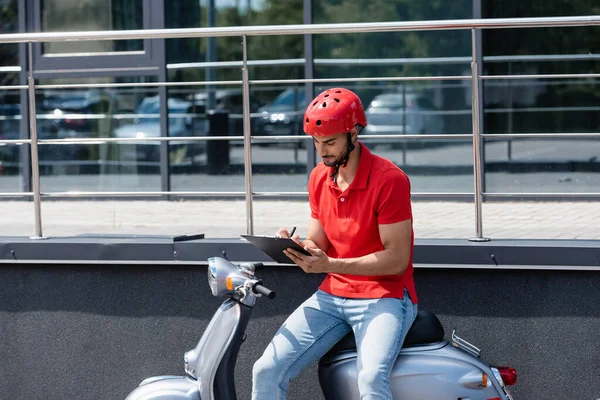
x=273 y=247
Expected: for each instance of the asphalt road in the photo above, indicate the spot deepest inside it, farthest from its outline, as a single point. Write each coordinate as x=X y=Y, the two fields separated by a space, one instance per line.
x=435 y=169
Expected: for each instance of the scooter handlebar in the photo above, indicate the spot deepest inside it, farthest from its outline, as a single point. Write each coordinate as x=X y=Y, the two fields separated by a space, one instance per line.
x=258 y=288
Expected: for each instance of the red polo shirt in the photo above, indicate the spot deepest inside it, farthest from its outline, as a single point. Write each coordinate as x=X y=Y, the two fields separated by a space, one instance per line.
x=379 y=194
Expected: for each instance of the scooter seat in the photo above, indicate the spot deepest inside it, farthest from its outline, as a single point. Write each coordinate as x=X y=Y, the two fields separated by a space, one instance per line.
x=426 y=329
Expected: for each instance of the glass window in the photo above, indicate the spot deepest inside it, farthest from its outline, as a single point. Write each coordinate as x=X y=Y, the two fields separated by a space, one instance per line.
x=533 y=165
x=191 y=14
x=96 y=113
x=10 y=154
x=91 y=15
x=9 y=16
x=411 y=107
x=183 y=14
x=381 y=46
x=520 y=106
x=433 y=165
x=10 y=107
x=9 y=53
x=290 y=97
x=541 y=105
x=220 y=164
x=10 y=113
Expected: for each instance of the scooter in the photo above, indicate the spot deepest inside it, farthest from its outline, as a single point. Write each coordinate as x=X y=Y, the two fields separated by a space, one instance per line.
x=428 y=367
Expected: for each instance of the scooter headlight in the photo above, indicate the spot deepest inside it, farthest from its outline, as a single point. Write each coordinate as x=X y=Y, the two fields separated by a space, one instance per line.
x=212 y=276
x=223 y=276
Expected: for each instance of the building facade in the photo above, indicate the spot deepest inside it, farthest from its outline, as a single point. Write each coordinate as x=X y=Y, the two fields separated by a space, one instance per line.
x=67 y=107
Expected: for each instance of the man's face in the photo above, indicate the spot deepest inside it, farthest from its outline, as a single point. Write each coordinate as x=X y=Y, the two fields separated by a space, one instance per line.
x=332 y=149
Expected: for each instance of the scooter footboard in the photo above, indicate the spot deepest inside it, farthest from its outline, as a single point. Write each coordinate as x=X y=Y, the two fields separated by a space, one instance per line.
x=166 y=388
x=436 y=371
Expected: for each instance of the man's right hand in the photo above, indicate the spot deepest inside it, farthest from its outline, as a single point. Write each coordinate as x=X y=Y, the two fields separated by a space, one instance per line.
x=284 y=233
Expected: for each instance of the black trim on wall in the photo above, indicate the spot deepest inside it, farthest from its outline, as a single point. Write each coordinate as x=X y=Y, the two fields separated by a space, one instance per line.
x=140 y=249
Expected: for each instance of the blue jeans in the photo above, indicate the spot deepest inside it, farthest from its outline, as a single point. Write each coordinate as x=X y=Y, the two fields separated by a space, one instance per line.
x=379 y=326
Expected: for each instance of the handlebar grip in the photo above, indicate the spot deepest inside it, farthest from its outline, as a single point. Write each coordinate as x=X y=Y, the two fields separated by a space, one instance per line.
x=258 y=288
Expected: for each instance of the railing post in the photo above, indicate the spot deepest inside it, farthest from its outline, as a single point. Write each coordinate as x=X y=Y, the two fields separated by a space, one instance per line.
x=35 y=163
x=477 y=169
x=247 y=140
x=509 y=125
x=309 y=87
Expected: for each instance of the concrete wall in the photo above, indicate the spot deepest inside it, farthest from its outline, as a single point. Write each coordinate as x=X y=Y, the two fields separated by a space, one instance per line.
x=94 y=332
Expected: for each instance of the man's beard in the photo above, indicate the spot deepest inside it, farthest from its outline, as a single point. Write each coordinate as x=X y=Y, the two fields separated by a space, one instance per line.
x=332 y=162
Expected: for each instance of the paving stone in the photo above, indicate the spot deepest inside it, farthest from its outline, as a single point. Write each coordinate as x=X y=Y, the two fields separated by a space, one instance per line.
x=227 y=218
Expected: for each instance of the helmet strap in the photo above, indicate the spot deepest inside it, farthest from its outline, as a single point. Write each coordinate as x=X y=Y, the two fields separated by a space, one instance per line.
x=344 y=160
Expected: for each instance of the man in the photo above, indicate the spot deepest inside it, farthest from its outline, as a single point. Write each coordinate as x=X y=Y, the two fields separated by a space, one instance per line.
x=360 y=234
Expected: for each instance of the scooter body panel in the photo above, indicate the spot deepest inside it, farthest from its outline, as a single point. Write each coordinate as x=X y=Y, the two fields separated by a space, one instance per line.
x=203 y=361
x=436 y=371
x=166 y=388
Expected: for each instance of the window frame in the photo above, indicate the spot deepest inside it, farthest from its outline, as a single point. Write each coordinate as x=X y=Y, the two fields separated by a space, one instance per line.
x=118 y=63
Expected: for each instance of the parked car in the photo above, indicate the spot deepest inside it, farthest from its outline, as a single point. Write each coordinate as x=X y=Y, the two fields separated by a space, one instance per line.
x=185 y=119
x=398 y=113
x=231 y=100
x=75 y=114
x=10 y=129
x=79 y=114
x=284 y=115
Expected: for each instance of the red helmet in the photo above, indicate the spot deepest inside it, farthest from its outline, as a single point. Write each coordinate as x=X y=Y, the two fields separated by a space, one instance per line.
x=335 y=110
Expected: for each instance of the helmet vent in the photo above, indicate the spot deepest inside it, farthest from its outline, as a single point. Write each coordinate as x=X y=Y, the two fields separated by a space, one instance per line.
x=307 y=120
x=326 y=95
x=337 y=100
x=319 y=122
x=324 y=104
x=315 y=103
x=338 y=91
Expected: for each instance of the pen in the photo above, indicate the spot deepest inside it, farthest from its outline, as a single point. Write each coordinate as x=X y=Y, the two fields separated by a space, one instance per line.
x=293 y=230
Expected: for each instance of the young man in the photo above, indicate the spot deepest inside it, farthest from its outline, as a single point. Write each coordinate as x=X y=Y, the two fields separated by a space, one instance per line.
x=359 y=234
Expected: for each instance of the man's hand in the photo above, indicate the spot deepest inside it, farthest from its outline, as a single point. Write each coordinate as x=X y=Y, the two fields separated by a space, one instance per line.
x=317 y=262
x=284 y=233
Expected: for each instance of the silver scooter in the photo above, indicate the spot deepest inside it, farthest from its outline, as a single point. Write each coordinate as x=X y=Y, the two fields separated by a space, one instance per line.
x=428 y=367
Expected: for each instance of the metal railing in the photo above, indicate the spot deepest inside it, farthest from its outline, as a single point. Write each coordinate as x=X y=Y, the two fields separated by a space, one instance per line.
x=315 y=29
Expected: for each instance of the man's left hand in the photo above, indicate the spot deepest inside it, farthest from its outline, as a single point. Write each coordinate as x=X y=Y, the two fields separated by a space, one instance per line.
x=317 y=262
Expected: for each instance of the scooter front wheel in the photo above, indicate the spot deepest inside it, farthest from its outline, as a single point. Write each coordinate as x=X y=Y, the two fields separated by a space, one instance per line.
x=166 y=388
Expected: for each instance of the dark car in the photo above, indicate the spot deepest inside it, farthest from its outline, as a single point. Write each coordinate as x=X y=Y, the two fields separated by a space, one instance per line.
x=186 y=119
x=79 y=114
x=231 y=100
x=74 y=115
x=9 y=130
x=284 y=115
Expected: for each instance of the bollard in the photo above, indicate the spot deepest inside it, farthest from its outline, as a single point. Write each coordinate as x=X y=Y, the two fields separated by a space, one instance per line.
x=217 y=151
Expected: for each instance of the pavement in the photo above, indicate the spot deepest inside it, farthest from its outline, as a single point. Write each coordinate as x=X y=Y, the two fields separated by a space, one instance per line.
x=228 y=218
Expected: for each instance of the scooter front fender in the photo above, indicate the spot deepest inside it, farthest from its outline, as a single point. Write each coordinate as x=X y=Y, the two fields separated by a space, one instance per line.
x=166 y=388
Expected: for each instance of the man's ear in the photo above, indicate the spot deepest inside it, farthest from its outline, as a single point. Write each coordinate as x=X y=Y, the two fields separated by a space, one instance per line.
x=354 y=134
